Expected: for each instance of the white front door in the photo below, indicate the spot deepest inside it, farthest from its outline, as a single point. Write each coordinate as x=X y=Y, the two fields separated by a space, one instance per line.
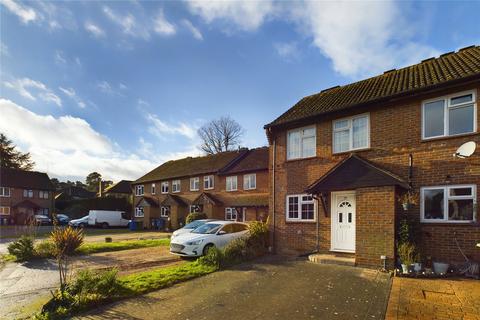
x=343 y=222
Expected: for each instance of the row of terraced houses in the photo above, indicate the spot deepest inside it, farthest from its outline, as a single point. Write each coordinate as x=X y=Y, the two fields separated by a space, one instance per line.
x=337 y=163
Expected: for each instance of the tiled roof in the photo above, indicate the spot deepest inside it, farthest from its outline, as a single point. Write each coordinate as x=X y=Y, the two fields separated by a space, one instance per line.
x=191 y=166
x=254 y=160
x=249 y=200
x=206 y=198
x=122 y=186
x=15 y=178
x=171 y=200
x=447 y=69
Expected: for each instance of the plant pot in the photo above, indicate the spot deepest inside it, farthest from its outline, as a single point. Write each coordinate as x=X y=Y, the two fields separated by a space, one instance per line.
x=440 y=267
x=405 y=268
x=405 y=206
x=417 y=267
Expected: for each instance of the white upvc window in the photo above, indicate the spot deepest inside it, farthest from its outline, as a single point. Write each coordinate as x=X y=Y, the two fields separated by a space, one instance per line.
x=43 y=194
x=231 y=214
x=27 y=193
x=300 y=207
x=449 y=115
x=164 y=187
x=194 y=184
x=5 y=211
x=139 y=190
x=208 y=182
x=4 y=192
x=196 y=208
x=351 y=133
x=301 y=143
x=231 y=183
x=453 y=204
x=165 y=212
x=153 y=188
x=176 y=185
x=139 y=212
x=250 y=181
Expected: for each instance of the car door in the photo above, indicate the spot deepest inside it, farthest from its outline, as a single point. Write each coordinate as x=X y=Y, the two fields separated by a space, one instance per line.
x=239 y=230
x=222 y=239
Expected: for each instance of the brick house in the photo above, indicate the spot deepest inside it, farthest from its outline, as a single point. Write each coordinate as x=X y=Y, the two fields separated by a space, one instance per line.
x=229 y=185
x=341 y=158
x=24 y=194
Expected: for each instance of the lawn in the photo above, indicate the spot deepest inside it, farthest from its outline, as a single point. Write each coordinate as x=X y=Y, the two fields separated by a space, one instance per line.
x=95 y=247
x=11 y=232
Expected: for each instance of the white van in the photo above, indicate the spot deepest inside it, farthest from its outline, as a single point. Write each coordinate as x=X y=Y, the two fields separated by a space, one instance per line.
x=105 y=219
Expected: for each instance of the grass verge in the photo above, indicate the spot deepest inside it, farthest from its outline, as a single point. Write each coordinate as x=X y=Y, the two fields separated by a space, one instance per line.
x=96 y=247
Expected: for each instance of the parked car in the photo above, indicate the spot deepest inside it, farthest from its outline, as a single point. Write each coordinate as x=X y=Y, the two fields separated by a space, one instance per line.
x=62 y=219
x=212 y=234
x=105 y=219
x=42 y=220
x=189 y=227
x=79 y=223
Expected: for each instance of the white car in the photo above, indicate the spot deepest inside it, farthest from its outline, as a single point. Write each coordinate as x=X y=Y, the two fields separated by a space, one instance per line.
x=189 y=227
x=212 y=234
x=106 y=219
x=82 y=222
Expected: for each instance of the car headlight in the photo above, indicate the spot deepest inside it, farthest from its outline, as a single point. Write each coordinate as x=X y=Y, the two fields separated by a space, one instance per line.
x=194 y=243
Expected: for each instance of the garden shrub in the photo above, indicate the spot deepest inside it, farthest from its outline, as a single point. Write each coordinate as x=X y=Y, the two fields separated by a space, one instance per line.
x=196 y=216
x=45 y=249
x=213 y=258
x=22 y=249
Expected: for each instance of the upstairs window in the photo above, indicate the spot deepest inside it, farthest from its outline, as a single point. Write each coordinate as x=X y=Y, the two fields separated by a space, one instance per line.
x=351 y=133
x=231 y=183
x=153 y=188
x=300 y=208
x=28 y=193
x=208 y=182
x=449 y=116
x=448 y=203
x=164 y=187
x=139 y=190
x=301 y=143
x=194 y=184
x=4 y=192
x=43 y=194
x=250 y=181
x=176 y=186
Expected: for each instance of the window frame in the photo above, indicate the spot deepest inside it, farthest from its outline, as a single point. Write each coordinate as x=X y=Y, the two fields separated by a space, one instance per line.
x=314 y=127
x=232 y=210
x=254 y=175
x=350 y=134
x=205 y=179
x=28 y=192
x=43 y=194
x=162 y=211
x=300 y=202
x=176 y=183
x=446 y=108
x=5 y=214
x=153 y=188
x=164 y=184
x=137 y=190
x=3 y=194
x=195 y=206
x=226 y=183
x=194 y=180
x=138 y=209
x=446 y=197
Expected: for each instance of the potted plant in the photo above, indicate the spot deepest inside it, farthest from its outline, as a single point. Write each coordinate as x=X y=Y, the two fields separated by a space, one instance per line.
x=417 y=265
x=407 y=199
x=406 y=253
x=440 y=268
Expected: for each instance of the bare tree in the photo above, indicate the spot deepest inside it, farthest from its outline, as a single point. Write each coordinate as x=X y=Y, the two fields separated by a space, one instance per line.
x=220 y=135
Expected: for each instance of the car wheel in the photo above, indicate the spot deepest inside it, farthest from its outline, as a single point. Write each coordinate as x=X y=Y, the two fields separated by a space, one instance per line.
x=105 y=225
x=207 y=247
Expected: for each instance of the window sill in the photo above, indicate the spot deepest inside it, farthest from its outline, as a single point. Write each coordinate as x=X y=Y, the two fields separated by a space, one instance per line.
x=424 y=140
x=450 y=223
x=350 y=151
x=300 y=221
x=300 y=159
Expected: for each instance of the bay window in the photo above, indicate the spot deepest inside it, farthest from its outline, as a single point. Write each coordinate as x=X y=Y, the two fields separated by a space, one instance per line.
x=448 y=203
x=351 y=133
x=301 y=143
x=300 y=208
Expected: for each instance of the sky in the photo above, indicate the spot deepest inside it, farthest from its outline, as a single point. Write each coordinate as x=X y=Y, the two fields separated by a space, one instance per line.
x=119 y=87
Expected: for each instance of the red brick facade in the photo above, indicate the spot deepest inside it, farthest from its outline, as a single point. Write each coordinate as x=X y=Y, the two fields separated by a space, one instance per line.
x=395 y=133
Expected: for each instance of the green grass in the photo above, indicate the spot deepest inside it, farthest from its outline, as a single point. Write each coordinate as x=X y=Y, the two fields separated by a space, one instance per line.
x=95 y=247
x=12 y=232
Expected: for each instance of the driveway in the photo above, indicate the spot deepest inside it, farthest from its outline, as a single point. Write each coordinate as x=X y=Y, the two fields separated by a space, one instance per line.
x=270 y=289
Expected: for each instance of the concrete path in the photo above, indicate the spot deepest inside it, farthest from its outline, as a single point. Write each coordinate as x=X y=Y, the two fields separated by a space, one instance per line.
x=269 y=289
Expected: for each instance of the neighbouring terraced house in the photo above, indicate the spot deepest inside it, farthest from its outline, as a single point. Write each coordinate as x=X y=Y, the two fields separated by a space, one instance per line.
x=340 y=158
x=229 y=185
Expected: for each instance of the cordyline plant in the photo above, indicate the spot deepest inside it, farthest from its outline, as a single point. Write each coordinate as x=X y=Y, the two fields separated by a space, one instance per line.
x=66 y=241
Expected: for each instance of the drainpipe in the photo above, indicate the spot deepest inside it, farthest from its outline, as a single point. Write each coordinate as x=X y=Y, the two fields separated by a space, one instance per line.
x=317 y=199
x=273 y=194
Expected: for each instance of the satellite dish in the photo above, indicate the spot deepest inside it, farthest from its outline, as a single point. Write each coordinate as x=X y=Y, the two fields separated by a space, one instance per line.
x=465 y=150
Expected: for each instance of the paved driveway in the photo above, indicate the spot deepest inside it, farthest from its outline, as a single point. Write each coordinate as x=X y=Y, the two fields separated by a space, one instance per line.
x=270 y=289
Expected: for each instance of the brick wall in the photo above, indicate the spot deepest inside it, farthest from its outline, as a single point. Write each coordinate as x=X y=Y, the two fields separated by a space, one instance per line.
x=395 y=133
x=16 y=196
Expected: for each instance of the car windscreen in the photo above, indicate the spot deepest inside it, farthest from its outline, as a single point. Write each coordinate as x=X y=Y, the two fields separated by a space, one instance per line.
x=208 y=228
x=194 y=224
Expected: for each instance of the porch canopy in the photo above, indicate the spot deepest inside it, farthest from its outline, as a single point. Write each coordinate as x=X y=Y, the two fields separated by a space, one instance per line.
x=173 y=200
x=352 y=173
x=206 y=198
x=147 y=202
x=27 y=204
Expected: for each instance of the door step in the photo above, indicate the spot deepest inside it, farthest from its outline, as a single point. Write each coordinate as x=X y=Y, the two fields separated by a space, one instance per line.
x=331 y=259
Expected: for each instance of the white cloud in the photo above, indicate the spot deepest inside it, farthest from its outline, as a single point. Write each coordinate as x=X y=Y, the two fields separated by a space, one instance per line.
x=106 y=87
x=128 y=23
x=162 y=26
x=31 y=89
x=122 y=86
x=361 y=38
x=70 y=92
x=25 y=14
x=161 y=128
x=59 y=57
x=68 y=146
x=246 y=15
x=4 y=49
x=287 y=50
x=194 y=30
x=95 y=30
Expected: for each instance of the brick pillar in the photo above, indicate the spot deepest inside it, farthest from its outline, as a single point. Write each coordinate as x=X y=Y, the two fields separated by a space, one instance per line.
x=375 y=226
